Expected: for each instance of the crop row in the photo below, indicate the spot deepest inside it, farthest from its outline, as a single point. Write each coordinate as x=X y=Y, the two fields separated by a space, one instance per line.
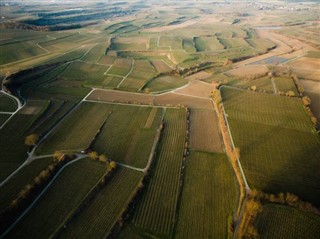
x=277 y=221
x=279 y=148
x=157 y=209
x=78 y=129
x=13 y=134
x=99 y=217
x=209 y=197
x=61 y=199
x=124 y=137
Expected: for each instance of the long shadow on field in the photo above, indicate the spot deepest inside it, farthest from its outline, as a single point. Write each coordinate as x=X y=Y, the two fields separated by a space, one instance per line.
x=278 y=159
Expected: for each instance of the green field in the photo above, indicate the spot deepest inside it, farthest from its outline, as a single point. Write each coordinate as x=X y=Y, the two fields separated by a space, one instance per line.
x=114 y=78
x=61 y=200
x=88 y=72
x=120 y=67
x=262 y=84
x=233 y=42
x=164 y=83
x=64 y=43
x=127 y=44
x=68 y=56
x=156 y=211
x=277 y=221
x=110 y=81
x=207 y=44
x=27 y=49
x=128 y=134
x=285 y=84
x=34 y=85
x=276 y=138
x=189 y=45
x=141 y=73
x=14 y=152
x=260 y=44
x=3 y=118
x=11 y=189
x=78 y=129
x=209 y=197
x=56 y=110
x=96 y=53
x=7 y=104
x=98 y=218
x=175 y=43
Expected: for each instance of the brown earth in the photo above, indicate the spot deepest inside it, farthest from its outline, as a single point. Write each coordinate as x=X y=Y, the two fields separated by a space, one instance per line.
x=197 y=88
x=204 y=131
x=201 y=75
x=248 y=71
x=166 y=99
x=176 y=99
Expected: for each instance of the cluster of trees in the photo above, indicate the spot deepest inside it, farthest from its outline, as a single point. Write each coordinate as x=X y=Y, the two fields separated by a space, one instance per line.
x=30 y=191
x=102 y=158
x=23 y=26
x=195 y=68
x=43 y=177
x=31 y=140
x=290 y=93
x=288 y=199
x=306 y=102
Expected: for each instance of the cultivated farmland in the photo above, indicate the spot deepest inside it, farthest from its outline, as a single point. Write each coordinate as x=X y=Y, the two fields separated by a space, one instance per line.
x=165 y=83
x=129 y=133
x=157 y=209
x=209 y=197
x=84 y=71
x=275 y=137
x=12 y=144
x=149 y=89
x=26 y=176
x=61 y=200
x=106 y=208
x=207 y=44
x=142 y=72
x=285 y=84
x=277 y=221
x=72 y=134
x=27 y=49
x=3 y=118
x=262 y=84
x=120 y=67
x=7 y=104
x=161 y=66
x=204 y=131
x=96 y=53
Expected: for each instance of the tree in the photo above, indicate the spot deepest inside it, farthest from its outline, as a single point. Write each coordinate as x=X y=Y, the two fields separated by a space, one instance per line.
x=58 y=156
x=103 y=158
x=31 y=140
x=290 y=93
x=113 y=164
x=254 y=88
x=251 y=233
x=93 y=155
x=306 y=100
